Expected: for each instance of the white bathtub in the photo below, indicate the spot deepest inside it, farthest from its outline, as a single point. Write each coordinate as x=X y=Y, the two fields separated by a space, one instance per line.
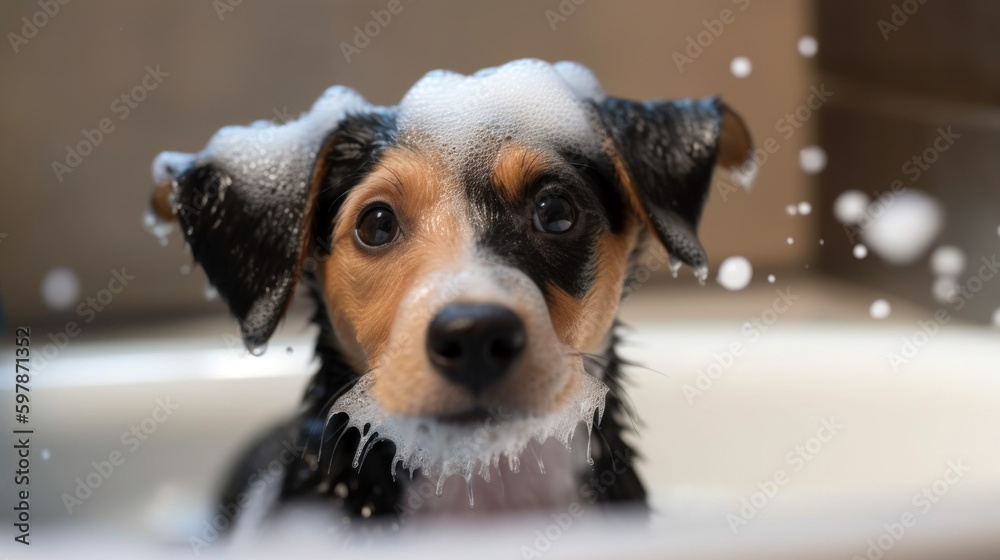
x=889 y=434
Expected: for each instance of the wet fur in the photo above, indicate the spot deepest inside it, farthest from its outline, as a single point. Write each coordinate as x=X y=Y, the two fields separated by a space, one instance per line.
x=315 y=475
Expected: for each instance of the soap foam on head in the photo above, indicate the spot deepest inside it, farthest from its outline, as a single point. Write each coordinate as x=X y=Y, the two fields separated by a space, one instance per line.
x=439 y=449
x=527 y=101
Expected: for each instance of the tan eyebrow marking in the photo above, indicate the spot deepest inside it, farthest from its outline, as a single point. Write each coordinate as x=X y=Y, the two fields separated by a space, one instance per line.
x=517 y=167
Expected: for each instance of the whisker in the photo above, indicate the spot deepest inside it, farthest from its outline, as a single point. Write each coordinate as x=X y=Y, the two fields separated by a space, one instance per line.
x=342 y=431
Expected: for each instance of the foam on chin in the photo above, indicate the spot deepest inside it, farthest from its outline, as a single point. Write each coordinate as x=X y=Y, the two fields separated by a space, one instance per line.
x=443 y=449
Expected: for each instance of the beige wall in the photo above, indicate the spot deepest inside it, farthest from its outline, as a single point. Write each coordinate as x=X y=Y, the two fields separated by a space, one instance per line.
x=265 y=56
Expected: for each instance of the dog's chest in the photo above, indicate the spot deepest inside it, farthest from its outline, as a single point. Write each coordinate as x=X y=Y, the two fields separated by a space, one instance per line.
x=548 y=479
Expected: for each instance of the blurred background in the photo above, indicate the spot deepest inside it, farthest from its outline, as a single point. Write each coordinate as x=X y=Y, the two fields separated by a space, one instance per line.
x=876 y=205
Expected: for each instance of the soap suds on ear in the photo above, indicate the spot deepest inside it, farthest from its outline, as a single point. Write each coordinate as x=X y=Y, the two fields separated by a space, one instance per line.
x=440 y=449
x=269 y=154
x=268 y=166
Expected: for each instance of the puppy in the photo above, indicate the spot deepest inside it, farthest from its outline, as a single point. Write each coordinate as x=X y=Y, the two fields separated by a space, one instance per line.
x=467 y=251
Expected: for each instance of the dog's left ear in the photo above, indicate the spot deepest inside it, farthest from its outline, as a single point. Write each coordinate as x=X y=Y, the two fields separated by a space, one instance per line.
x=665 y=152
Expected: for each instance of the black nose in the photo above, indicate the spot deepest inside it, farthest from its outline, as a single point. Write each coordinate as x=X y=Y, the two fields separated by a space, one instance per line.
x=475 y=344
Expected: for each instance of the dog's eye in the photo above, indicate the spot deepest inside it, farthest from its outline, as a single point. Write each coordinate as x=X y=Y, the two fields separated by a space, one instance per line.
x=554 y=214
x=377 y=226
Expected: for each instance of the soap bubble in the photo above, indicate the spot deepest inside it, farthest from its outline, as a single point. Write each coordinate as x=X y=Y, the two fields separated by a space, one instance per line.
x=812 y=159
x=741 y=67
x=805 y=208
x=851 y=206
x=791 y=210
x=904 y=227
x=945 y=289
x=860 y=251
x=808 y=46
x=160 y=228
x=880 y=309
x=948 y=260
x=60 y=288
x=790 y=240
x=735 y=273
x=771 y=278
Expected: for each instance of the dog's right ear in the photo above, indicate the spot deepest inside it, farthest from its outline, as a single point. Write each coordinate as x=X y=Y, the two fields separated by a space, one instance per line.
x=245 y=205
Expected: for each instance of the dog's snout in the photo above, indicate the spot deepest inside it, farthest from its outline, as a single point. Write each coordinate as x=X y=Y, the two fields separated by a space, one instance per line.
x=475 y=344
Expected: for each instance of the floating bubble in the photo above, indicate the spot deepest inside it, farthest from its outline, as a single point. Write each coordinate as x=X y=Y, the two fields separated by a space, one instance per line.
x=812 y=159
x=735 y=273
x=791 y=210
x=159 y=228
x=821 y=242
x=879 y=309
x=948 y=260
x=808 y=46
x=185 y=269
x=790 y=240
x=741 y=67
x=851 y=206
x=60 y=288
x=903 y=227
x=805 y=208
x=945 y=289
x=860 y=251
x=210 y=293
x=771 y=278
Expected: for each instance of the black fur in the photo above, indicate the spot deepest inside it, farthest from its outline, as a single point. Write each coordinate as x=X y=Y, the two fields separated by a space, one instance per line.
x=248 y=244
x=670 y=148
x=565 y=260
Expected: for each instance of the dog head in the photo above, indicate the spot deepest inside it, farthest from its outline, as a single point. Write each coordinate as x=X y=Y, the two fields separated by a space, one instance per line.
x=471 y=243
